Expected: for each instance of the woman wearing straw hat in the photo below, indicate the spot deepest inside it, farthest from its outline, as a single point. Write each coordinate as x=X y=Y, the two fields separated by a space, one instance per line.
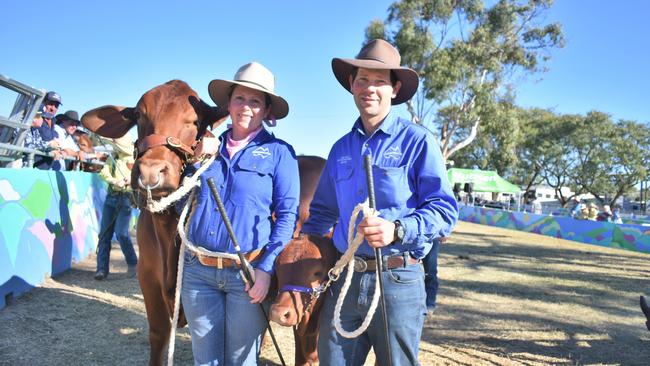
x=415 y=202
x=256 y=175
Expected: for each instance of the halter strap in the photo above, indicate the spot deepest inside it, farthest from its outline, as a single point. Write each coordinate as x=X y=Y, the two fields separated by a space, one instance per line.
x=303 y=289
x=171 y=142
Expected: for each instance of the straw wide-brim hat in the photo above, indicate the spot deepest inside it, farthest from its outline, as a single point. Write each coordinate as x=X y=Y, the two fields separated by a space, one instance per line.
x=255 y=76
x=378 y=55
x=123 y=146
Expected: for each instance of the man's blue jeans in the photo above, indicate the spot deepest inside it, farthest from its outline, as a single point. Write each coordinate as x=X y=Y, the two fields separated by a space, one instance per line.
x=405 y=309
x=430 y=262
x=116 y=216
x=226 y=328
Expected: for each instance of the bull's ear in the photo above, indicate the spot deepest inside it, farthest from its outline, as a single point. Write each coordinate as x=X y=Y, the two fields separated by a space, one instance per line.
x=109 y=121
x=217 y=116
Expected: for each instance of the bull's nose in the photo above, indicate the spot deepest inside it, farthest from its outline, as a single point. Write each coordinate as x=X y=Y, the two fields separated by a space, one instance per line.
x=283 y=315
x=153 y=172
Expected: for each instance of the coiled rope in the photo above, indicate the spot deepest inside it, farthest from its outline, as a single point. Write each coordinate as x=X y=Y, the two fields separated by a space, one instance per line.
x=347 y=259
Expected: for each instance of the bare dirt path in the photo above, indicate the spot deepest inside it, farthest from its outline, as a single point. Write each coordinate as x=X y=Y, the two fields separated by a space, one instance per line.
x=506 y=298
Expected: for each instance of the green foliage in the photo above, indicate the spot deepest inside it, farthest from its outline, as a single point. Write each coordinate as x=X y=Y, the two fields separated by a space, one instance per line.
x=589 y=154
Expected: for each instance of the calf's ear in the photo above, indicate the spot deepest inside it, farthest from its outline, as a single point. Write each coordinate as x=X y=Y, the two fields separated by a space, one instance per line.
x=109 y=121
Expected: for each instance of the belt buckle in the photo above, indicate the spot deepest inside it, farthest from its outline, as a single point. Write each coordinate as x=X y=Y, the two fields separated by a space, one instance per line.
x=219 y=263
x=360 y=264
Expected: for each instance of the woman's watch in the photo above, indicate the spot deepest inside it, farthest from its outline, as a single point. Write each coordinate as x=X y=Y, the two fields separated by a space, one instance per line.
x=398 y=234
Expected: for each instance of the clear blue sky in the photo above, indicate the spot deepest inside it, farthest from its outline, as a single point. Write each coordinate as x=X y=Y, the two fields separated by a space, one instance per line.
x=97 y=53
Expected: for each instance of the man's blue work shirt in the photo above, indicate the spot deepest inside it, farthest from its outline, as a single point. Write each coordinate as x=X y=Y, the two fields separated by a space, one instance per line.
x=410 y=182
x=259 y=180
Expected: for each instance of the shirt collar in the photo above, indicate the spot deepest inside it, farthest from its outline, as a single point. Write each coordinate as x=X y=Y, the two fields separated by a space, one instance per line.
x=262 y=137
x=388 y=126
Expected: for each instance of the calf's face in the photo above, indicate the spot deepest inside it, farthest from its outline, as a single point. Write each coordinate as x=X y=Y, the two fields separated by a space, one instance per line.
x=303 y=263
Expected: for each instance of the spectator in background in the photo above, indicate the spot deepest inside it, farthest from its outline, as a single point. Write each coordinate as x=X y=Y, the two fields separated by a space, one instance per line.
x=593 y=212
x=116 y=213
x=457 y=191
x=536 y=206
x=616 y=215
x=66 y=125
x=86 y=145
x=584 y=212
x=605 y=214
x=430 y=263
x=34 y=140
x=42 y=135
x=575 y=211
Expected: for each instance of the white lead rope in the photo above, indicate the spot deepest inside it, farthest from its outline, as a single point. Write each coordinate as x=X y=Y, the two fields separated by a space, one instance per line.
x=157 y=206
x=354 y=239
x=187 y=245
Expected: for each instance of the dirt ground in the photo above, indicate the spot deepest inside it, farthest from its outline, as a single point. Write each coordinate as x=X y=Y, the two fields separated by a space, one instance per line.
x=506 y=298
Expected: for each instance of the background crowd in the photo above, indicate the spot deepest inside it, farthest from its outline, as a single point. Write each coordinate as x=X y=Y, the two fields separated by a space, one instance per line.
x=68 y=147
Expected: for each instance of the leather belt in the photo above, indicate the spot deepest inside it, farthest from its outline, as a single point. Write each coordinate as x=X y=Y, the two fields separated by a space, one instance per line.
x=222 y=263
x=390 y=262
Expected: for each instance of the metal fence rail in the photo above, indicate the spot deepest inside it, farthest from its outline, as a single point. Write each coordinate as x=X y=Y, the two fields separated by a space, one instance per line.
x=19 y=151
x=14 y=128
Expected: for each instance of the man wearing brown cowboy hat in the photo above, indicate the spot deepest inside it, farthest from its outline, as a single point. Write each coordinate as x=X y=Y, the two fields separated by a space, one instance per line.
x=415 y=202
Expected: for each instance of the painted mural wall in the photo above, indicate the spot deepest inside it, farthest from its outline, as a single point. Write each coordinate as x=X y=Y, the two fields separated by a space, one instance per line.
x=607 y=234
x=49 y=220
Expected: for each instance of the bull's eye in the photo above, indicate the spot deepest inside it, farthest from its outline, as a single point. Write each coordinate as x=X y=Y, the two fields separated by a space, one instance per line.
x=318 y=274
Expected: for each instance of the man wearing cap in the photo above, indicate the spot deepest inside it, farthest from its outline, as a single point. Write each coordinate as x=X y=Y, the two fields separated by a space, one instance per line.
x=66 y=125
x=42 y=135
x=415 y=202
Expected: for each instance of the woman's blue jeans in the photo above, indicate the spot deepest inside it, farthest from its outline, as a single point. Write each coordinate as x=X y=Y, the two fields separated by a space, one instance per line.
x=116 y=217
x=226 y=328
x=405 y=309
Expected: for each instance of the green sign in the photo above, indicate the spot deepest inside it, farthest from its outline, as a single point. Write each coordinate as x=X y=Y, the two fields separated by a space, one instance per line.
x=482 y=180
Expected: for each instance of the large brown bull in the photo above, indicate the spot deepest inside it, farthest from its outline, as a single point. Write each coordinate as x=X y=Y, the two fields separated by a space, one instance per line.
x=170 y=118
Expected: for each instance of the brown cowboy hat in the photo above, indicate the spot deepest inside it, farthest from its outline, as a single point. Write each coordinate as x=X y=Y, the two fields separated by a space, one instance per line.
x=255 y=76
x=378 y=55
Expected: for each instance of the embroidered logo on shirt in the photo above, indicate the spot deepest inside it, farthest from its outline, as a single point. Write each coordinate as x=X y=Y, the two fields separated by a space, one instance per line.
x=393 y=153
x=344 y=159
x=261 y=152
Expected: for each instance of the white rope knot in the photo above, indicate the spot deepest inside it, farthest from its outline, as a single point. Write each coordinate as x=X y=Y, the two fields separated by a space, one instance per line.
x=354 y=241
